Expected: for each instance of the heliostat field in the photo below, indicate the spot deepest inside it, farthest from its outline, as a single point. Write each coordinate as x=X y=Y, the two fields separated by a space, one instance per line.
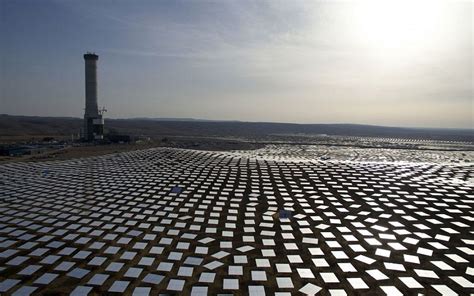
x=274 y=221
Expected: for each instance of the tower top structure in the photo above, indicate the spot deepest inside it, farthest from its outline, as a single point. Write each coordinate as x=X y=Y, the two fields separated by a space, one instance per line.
x=91 y=56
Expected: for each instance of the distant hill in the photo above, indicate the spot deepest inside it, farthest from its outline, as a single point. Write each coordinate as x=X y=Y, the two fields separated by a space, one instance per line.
x=64 y=126
x=178 y=119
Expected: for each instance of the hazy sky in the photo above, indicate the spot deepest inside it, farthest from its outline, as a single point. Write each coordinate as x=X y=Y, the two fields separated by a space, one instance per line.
x=397 y=63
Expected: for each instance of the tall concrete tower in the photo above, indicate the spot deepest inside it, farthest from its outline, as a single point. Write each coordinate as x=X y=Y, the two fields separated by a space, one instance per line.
x=93 y=121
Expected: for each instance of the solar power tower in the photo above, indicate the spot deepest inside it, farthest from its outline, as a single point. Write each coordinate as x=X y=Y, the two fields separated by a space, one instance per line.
x=93 y=121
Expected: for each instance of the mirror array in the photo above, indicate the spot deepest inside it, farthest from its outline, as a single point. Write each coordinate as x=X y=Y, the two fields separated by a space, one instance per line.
x=189 y=222
x=348 y=153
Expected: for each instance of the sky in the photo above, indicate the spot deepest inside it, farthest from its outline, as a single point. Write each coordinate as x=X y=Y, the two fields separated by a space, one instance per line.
x=392 y=63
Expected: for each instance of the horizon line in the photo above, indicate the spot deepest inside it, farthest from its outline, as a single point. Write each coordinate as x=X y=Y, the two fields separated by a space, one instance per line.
x=192 y=119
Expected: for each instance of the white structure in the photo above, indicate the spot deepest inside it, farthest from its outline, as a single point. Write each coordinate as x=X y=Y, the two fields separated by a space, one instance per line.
x=93 y=121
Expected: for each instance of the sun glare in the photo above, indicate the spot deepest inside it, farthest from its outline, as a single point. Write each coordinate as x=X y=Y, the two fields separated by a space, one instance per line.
x=398 y=28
